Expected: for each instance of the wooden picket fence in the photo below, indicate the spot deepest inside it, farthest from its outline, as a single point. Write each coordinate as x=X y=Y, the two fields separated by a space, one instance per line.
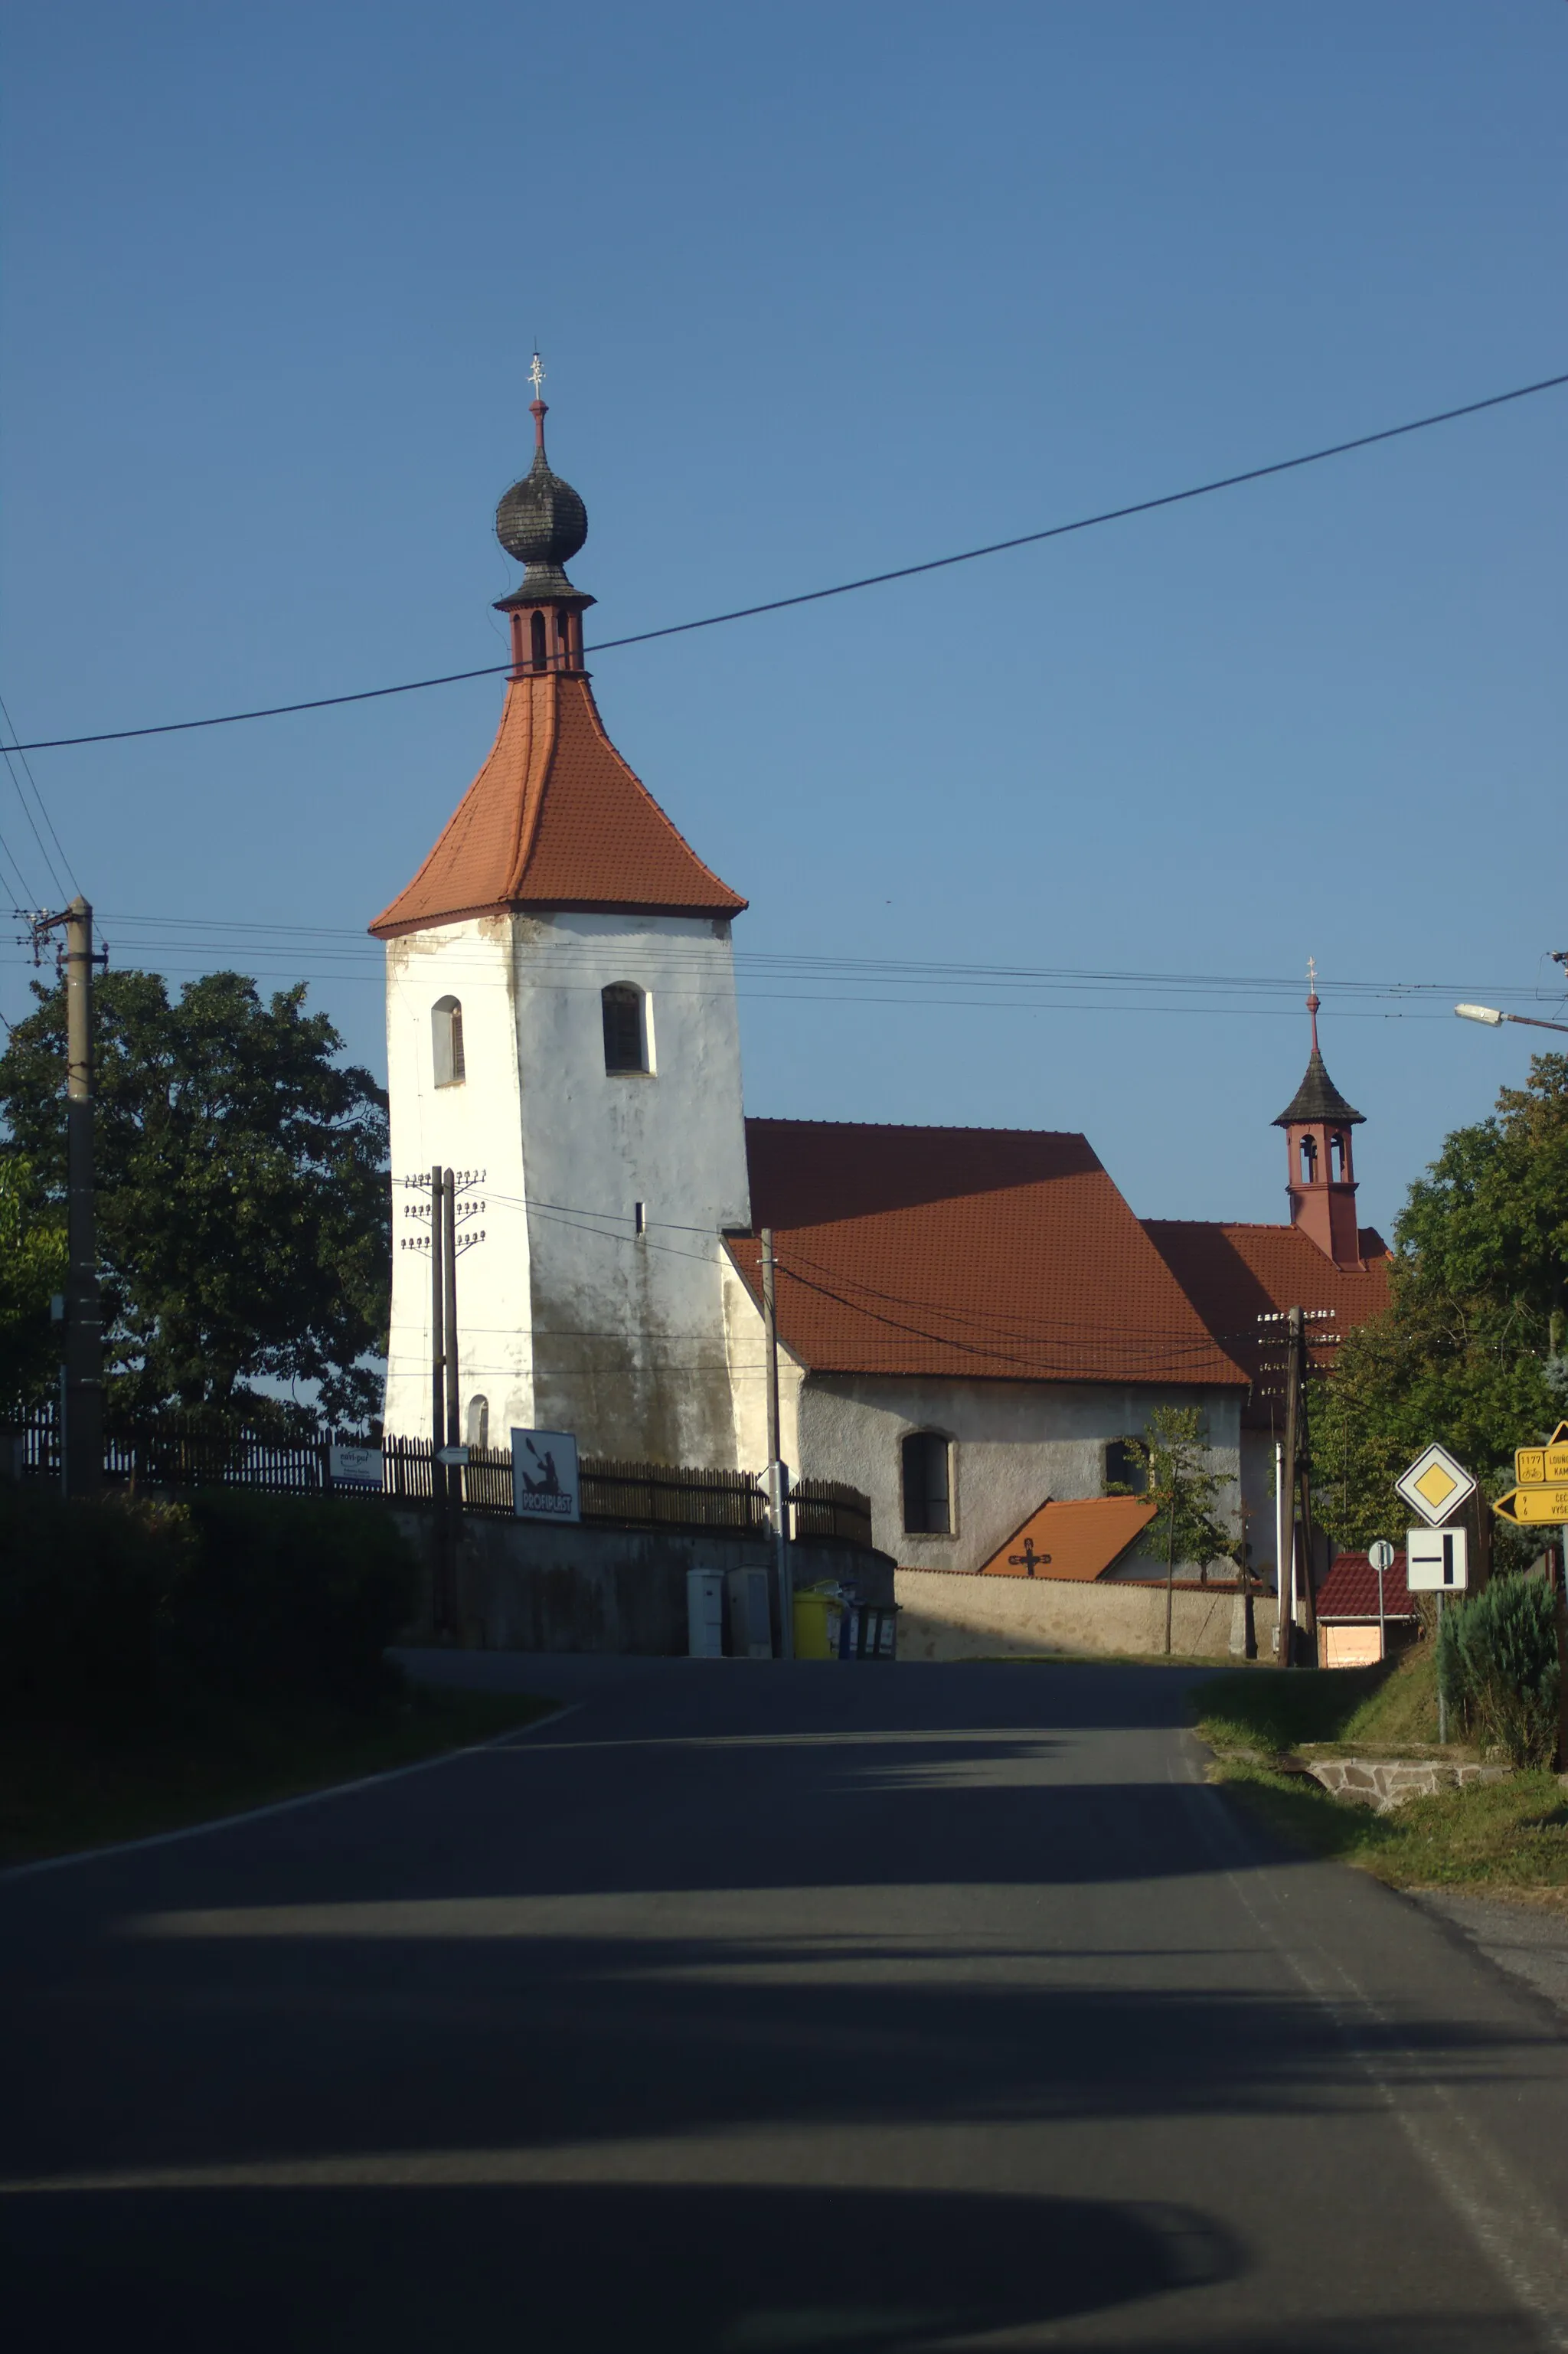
x=174 y=1451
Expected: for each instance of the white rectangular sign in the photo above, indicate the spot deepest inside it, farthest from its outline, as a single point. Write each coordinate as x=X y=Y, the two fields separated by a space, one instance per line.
x=545 y=1476
x=355 y=1467
x=1437 y=1561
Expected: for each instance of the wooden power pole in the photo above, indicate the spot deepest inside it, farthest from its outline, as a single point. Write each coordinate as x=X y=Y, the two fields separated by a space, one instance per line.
x=81 y=1439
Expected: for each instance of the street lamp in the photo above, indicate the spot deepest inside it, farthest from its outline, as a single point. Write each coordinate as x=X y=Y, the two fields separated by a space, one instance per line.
x=1491 y=1017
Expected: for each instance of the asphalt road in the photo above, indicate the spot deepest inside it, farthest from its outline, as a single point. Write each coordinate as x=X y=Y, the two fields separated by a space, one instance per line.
x=751 y=2009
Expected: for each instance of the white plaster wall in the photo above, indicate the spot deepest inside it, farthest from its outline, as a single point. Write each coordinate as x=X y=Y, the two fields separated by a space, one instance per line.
x=628 y=1335
x=747 y=1354
x=475 y=1126
x=1016 y=1443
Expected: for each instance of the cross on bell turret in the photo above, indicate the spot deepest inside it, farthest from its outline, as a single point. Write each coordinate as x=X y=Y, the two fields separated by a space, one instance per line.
x=1322 y=1183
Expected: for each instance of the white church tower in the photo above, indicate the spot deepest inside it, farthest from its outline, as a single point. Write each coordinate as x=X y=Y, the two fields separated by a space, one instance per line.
x=561 y=1031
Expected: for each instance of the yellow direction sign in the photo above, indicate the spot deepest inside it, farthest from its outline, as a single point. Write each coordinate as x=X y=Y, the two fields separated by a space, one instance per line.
x=1531 y=1507
x=1541 y=1466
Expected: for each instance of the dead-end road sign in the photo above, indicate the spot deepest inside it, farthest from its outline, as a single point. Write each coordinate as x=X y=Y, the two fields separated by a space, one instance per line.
x=1437 y=1561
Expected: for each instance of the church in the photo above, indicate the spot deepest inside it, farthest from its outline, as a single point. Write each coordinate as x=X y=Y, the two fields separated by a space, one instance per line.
x=972 y=1322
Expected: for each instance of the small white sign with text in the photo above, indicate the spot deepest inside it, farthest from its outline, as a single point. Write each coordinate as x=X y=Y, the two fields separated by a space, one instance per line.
x=355 y=1467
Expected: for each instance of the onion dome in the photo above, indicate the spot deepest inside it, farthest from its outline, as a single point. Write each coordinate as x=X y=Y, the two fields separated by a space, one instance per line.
x=542 y=521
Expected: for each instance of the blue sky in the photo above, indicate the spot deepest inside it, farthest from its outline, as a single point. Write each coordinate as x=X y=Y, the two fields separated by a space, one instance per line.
x=822 y=290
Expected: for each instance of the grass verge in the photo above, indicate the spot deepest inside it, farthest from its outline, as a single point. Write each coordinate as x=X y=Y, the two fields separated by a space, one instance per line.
x=1508 y=1838
x=64 y=1786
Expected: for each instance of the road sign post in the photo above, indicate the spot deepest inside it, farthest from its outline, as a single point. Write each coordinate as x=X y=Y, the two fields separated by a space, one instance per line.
x=1381 y=1556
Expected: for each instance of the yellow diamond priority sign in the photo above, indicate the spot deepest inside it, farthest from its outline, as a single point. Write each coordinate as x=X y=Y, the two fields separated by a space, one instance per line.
x=1437 y=1485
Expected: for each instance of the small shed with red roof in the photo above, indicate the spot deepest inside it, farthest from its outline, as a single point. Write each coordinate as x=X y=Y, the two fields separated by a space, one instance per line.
x=1350 y=1625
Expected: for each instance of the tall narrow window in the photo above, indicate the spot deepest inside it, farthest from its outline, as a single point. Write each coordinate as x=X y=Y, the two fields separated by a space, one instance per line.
x=625 y=1028
x=541 y=642
x=927 y=1501
x=479 y=1422
x=446 y=1040
x=1337 y=1159
x=1308 y=1161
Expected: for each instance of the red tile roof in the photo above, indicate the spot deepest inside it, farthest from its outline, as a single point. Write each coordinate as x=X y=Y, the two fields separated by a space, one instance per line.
x=555 y=818
x=1001 y=1254
x=1079 y=1538
x=1350 y=1590
x=1234 y=1274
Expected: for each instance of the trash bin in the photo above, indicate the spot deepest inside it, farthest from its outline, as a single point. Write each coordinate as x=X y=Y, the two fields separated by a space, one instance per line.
x=869 y=1631
x=818 y=1621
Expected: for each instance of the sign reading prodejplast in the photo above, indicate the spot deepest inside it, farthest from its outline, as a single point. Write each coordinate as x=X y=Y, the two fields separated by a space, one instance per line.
x=545 y=1476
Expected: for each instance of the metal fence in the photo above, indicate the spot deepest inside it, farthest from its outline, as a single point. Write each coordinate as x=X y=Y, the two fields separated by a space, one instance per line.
x=175 y=1452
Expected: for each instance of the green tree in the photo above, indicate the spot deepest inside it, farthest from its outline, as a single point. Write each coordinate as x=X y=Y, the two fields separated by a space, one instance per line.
x=1173 y=1458
x=32 y=1269
x=1470 y=1349
x=243 y=1208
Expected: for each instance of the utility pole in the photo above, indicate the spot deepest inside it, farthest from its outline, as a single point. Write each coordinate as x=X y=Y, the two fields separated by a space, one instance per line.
x=777 y=1471
x=81 y=1439
x=438 y=1392
x=449 y=1338
x=1293 y=1327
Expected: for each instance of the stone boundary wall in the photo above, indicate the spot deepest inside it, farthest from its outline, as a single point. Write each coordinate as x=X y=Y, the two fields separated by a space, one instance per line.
x=1384 y=1783
x=945 y=1615
x=524 y=1588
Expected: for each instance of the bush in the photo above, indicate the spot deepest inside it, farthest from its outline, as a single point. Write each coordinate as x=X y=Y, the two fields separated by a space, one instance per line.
x=108 y=1605
x=293 y=1595
x=1498 y=1668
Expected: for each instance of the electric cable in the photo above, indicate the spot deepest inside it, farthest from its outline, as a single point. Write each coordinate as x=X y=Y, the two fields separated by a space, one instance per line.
x=14 y=751
x=839 y=588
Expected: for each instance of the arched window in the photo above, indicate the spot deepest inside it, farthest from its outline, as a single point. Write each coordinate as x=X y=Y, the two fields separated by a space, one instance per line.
x=625 y=1027
x=446 y=1041
x=541 y=642
x=1337 y=1159
x=1125 y=1466
x=479 y=1422
x=928 y=1489
x=1308 y=1161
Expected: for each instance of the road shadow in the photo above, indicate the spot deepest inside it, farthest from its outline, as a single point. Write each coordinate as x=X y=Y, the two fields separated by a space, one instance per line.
x=581 y=2269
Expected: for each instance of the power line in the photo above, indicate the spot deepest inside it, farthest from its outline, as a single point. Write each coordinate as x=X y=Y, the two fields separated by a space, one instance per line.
x=841 y=588
x=18 y=752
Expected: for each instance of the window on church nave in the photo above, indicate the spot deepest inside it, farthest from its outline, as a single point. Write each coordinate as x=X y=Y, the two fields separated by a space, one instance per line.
x=479 y=1422
x=446 y=1040
x=927 y=1489
x=1124 y=1468
x=625 y=1027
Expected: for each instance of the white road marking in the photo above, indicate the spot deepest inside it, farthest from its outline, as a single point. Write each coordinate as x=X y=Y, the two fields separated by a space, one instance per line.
x=281 y=1806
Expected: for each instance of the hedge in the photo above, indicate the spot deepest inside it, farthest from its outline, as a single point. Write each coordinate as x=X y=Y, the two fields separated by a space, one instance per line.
x=112 y=1604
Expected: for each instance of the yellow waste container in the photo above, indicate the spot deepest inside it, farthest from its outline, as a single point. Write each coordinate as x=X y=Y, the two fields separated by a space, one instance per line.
x=817 y=1615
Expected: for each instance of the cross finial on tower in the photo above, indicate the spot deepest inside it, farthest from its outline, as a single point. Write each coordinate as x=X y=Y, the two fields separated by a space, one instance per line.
x=536 y=375
x=1312 y=997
